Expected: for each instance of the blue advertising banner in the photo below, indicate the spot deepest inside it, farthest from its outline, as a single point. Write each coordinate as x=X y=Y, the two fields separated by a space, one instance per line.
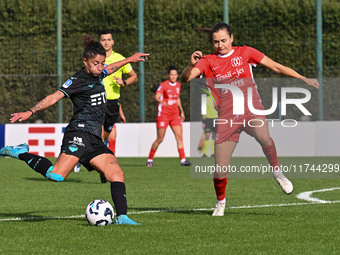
x=2 y=136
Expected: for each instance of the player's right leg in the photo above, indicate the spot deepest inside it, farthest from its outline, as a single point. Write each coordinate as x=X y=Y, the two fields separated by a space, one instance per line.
x=39 y=164
x=14 y=151
x=206 y=143
x=154 y=147
x=21 y=152
x=223 y=152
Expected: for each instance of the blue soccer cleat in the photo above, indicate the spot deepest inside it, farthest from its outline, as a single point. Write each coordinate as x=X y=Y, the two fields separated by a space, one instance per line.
x=186 y=163
x=149 y=164
x=125 y=220
x=14 y=151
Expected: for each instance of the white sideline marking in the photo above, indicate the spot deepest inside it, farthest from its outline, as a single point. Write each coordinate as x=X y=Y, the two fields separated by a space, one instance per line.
x=304 y=196
x=174 y=210
x=308 y=196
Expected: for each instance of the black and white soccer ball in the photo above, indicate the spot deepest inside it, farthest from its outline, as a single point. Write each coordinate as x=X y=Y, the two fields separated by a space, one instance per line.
x=99 y=213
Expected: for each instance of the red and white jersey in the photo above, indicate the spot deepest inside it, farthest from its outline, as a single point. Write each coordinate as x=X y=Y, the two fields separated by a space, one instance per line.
x=170 y=93
x=234 y=68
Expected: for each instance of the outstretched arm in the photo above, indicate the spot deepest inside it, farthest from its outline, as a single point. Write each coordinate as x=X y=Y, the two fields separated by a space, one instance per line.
x=43 y=104
x=133 y=59
x=281 y=69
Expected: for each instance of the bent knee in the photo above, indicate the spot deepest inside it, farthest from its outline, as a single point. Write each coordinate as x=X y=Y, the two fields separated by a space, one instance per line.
x=160 y=140
x=264 y=140
x=115 y=177
x=179 y=138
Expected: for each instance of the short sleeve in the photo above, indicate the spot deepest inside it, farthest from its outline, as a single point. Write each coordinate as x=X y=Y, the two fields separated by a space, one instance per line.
x=254 y=56
x=127 y=68
x=160 y=89
x=203 y=65
x=70 y=87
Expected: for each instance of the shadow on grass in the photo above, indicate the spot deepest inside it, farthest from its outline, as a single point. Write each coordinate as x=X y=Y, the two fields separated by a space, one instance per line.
x=132 y=165
x=46 y=180
x=32 y=216
x=198 y=211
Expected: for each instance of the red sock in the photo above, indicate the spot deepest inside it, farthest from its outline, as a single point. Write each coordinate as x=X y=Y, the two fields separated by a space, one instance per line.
x=271 y=155
x=181 y=154
x=220 y=185
x=152 y=154
x=112 y=146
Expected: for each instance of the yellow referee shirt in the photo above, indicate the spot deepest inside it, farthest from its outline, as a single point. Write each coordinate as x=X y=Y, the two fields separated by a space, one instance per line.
x=111 y=86
x=211 y=111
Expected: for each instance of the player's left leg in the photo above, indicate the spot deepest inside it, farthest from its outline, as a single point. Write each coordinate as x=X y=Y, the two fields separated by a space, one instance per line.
x=260 y=132
x=178 y=132
x=108 y=165
x=213 y=137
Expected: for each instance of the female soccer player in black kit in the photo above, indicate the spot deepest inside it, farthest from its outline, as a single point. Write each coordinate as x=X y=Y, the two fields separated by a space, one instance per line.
x=82 y=139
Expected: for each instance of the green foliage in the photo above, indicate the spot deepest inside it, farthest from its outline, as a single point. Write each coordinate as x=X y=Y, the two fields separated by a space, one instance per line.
x=283 y=29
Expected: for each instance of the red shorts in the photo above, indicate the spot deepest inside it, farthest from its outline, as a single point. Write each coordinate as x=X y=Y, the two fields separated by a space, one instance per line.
x=230 y=128
x=163 y=121
x=229 y=125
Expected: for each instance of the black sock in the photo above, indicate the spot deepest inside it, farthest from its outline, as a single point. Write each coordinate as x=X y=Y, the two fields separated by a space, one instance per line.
x=119 y=197
x=37 y=163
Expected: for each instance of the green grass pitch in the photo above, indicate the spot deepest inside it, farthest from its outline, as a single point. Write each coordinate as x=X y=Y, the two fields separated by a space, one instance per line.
x=41 y=217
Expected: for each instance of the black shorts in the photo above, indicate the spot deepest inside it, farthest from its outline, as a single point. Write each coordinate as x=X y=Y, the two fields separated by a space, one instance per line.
x=84 y=146
x=209 y=126
x=111 y=114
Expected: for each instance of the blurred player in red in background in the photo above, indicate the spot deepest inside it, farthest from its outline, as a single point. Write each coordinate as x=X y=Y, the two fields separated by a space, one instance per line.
x=234 y=64
x=170 y=112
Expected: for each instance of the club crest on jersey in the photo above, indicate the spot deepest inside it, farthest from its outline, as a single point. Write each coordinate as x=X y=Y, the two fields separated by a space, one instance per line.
x=236 y=61
x=67 y=83
x=73 y=148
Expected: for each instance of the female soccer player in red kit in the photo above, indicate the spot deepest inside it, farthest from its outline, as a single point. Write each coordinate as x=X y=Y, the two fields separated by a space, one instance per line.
x=233 y=65
x=170 y=112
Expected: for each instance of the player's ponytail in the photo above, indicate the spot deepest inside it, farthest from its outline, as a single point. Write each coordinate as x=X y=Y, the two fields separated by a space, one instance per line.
x=217 y=27
x=92 y=47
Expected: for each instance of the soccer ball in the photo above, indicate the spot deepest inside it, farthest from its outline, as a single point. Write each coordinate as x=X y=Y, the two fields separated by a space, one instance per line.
x=99 y=213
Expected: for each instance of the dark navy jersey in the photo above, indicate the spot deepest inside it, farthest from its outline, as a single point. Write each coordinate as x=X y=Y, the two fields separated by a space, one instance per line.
x=88 y=96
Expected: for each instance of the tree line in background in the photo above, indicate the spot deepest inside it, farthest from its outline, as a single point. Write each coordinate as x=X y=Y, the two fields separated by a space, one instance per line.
x=282 y=29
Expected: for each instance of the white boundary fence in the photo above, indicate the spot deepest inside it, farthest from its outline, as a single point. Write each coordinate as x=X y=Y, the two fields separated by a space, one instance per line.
x=321 y=138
